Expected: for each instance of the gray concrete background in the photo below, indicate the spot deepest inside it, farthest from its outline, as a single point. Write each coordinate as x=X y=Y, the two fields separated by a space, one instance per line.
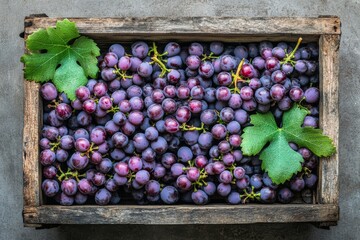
x=12 y=14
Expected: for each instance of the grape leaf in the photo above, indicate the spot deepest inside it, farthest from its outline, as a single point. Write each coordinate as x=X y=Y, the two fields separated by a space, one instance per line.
x=278 y=158
x=60 y=54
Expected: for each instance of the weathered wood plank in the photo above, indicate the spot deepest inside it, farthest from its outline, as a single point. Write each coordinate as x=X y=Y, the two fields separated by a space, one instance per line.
x=196 y=25
x=328 y=187
x=181 y=214
x=32 y=123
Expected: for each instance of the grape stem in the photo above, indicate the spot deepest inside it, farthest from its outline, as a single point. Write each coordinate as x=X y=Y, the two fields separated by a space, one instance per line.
x=69 y=174
x=91 y=150
x=55 y=145
x=121 y=73
x=289 y=58
x=252 y=195
x=236 y=77
x=113 y=109
x=185 y=127
x=157 y=58
x=201 y=181
x=208 y=57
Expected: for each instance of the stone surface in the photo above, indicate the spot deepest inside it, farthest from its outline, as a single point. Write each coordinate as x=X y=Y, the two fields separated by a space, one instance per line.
x=12 y=15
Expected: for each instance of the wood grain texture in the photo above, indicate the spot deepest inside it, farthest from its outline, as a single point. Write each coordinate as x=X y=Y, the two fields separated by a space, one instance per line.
x=328 y=187
x=32 y=123
x=181 y=214
x=196 y=25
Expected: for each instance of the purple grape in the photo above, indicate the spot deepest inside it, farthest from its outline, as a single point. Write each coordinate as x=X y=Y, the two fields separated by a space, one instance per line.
x=200 y=197
x=50 y=187
x=169 y=195
x=312 y=95
x=48 y=91
x=139 y=49
x=223 y=189
x=285 y=195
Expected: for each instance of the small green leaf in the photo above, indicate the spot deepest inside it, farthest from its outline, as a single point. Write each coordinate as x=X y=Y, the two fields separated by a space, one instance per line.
x=278 y=159
x=62 y=55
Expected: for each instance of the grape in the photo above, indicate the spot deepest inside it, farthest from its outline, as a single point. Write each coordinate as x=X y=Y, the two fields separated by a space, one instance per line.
x=246 y=93
x=118 y=49
x=174 y=62
x=285 y=195
x=285 y=103
x=136 y=117
x=312 y=95
x=193 y=62
x=206 y=69
x=119 y=140
x=258 y=63
x=80 y=198
x=184 y=154
x=66 y=200
x=297 y=184
x=272 y=64
x=223 y=94
x=310 y=180
x=200 y=197
x=227 y=63
x=183 y=183
x=105 y=166
x=296 y=94
x=47 y=157
x=235 y=101
x=218 y=167
x=235 y=140
x=142 y=177
x=196 y=49
x=195 y=106
x=177 y=169
x=69 y=186
x=155 y=112
x=172 y=49
x=256 y=181
x=140 y=142
x=122 y=169
x=49 y=172
x=239 y=172
x=159 y=145
x=82 y=144
x=234 y=198
x=139 y=49
x=183 y=114
x=53 y=120
x=225 y=177
x=183 y=92
x=135 y=164
x=247 y=70
x=300 y=66
x=208 y=117
x=241 y=116
x=227 y=114
x=152 y=188
x=219 y=131
x=278 y=76
x=310 y=121
x=102 y=197
x=48 y=91
x=233 y=127
x=79 y=161
x=63 y=111
x=169 y=195
x=50 y=187
x=61 y=155
x=205 y=140
x=223 y=189
x=268 y=182
x=277 y=92
x=262 y=95
x=151 y=133
x=171 y=125
x=157 y=96
x=267 y=195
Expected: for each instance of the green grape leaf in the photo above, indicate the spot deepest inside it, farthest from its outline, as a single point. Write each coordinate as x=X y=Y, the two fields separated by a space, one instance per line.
x=279 y=160
x=60 y=54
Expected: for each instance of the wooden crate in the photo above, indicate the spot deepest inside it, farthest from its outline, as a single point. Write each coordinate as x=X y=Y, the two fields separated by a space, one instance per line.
x=325 y=207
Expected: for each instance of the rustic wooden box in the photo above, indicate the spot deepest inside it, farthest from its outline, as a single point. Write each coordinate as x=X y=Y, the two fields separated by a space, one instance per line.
x=325 y=207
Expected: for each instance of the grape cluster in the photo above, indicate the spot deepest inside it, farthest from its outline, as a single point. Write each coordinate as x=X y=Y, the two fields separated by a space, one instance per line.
x=166 y=127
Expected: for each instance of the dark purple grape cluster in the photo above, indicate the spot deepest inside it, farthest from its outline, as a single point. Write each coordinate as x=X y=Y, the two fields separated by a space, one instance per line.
x=166 y=127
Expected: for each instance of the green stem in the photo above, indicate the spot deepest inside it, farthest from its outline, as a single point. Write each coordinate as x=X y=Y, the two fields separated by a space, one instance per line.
x=289 y=58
